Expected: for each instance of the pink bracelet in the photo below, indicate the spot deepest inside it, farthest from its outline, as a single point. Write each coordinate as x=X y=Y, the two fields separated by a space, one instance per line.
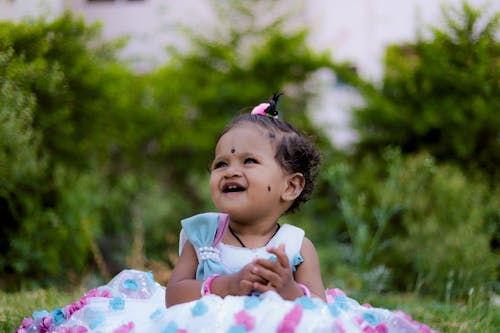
x=206 y=286
x=304 y=289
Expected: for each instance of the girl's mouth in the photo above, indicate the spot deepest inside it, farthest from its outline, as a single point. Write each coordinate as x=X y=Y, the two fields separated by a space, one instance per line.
x=232 y=188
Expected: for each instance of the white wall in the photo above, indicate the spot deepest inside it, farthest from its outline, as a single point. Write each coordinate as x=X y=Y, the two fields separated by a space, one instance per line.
x=356 y=30
x=150 y=24
x=360 y=30
x=16 y=10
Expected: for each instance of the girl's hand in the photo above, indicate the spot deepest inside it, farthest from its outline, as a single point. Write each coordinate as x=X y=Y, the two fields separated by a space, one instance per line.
x=277 y=274
x=241 y=283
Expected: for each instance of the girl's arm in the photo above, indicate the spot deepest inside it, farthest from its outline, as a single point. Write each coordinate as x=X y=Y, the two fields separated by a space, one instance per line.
x=308 y=272
x=182 y=286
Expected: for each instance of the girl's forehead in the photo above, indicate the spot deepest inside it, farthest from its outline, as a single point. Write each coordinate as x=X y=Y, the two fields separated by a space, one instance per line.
x=246 y=136
x=253 y=129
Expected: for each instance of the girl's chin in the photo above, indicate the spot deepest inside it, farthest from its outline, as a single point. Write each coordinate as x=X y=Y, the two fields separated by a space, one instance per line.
x=237 y=216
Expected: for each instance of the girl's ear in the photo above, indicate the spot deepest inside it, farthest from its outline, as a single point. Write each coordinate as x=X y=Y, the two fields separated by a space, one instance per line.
x=295 y=185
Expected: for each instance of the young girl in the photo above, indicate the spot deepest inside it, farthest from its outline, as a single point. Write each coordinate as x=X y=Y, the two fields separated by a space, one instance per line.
x=239 y=270
x=263 y=168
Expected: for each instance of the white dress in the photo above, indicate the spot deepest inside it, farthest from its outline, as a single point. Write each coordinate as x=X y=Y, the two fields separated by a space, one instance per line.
x=133 y=302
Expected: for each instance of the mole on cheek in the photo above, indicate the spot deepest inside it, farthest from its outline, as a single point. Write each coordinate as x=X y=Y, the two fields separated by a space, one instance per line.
x=233 y=150
x=269 y=189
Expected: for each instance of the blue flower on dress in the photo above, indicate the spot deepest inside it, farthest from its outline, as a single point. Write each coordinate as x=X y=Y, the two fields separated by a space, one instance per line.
x=305 y=302
x=237 y=329
x=251 y=302
x=371 y=318
x=341 y=302
x=199 y=309
x=334 y=310
x=117 y=303
x=93 y=317
x=59 y=316
x=170 y=328
x=272 y=258
x=40 y=314
x=130 y=284
x=157 y=314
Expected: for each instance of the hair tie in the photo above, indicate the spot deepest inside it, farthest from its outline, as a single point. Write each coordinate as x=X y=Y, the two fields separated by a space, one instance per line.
x=268 y=109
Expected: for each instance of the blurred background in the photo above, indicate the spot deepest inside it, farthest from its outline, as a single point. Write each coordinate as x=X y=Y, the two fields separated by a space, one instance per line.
x=109 y=112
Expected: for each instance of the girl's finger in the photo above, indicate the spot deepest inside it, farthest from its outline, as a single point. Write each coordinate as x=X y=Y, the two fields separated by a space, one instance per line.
x=246 y=287
x=267 y=264
x=263 y=287
x=268 y=275
x=254 y=277
x=280 y=254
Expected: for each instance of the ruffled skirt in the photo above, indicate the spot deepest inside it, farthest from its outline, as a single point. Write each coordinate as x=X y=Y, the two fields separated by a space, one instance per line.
x=133 y=302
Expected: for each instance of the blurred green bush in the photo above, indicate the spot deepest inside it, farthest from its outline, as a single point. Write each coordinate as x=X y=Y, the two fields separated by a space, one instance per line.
x=423 y=215
x=413 y=225
x=58 y=87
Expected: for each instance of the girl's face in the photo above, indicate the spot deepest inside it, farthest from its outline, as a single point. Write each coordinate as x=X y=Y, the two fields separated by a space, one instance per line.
x=246 y=181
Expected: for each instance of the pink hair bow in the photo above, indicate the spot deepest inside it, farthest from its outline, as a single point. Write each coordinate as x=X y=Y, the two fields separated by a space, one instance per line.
x=268 y=109
x=260 y=109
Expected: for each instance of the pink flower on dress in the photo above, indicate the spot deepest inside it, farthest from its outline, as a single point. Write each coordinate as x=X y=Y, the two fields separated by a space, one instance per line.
x=45 y=324
x=244 y=319
x=75 y=306
x=126 y=328
x=92 y=293
x=260 y=109
x=291 y=320
x=380 y=328
x=26 y=322
x=338 y=326
x=331 y=294
x=335 y=292
x=404 y=315
x=425 y=329
x=96 y=292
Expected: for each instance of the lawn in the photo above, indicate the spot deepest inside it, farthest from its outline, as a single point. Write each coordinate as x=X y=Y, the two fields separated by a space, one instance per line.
x=454 y=317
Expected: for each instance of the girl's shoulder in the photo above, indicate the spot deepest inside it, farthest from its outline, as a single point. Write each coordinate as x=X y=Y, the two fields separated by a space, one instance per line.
x=288 y=232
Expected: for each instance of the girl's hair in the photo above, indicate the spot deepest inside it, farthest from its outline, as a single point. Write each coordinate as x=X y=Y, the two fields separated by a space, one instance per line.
x=294 y=151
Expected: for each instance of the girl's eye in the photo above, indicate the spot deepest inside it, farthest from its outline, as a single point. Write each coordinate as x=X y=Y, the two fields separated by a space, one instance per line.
x=250 y=160
x=219 y=165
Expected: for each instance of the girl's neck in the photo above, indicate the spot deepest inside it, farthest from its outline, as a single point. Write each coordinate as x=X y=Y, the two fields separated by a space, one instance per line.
x=250 y=235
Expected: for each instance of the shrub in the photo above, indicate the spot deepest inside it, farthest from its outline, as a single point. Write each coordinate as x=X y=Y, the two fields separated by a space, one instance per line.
x=56 y=79
x=425 y=224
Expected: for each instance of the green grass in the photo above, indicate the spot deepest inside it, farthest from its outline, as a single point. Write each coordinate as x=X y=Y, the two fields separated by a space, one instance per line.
x=458 y=317
x=15 y=306
x=454 y=318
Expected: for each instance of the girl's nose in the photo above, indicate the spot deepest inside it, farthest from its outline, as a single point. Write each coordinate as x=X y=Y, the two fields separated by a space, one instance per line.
x=232 y=171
